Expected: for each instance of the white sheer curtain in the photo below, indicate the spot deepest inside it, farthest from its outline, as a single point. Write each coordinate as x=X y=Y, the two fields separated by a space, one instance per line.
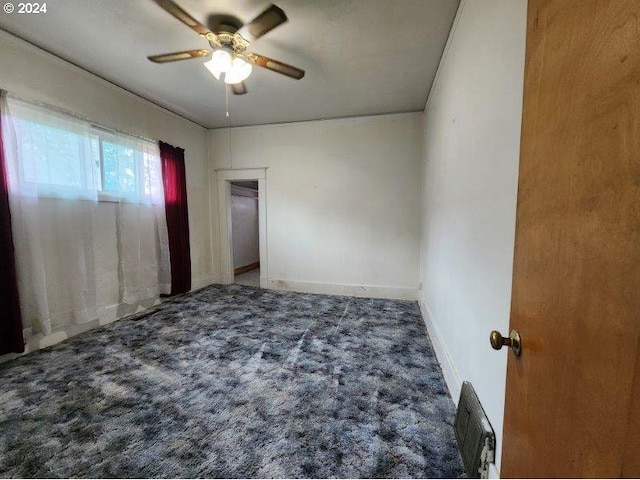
x=88 y=217
x=141 y=227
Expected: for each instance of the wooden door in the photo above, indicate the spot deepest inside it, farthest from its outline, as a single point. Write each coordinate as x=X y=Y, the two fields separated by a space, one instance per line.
x=573 y=397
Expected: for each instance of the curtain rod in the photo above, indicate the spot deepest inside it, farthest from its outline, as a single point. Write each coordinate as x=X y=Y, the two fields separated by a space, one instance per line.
x=77 y=116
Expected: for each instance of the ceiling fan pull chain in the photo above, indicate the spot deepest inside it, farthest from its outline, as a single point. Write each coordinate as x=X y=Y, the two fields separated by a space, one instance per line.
x=226 y=94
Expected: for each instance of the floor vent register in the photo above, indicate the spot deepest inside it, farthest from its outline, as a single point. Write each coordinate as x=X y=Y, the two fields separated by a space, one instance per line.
x=475 y=436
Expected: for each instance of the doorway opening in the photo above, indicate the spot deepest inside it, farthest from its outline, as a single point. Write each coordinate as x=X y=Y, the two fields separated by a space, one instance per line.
x=236 y=178
x=245 y=233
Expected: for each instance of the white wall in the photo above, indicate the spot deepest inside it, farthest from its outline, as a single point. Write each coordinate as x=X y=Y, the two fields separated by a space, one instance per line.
x=244 y=227
x=472 y=146
x=343 y=214
x=34 y=74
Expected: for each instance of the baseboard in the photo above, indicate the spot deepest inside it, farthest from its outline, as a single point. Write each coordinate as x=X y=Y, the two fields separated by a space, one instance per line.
x=367 y=291
x=449 y=370
x=203 y=281
x=246 y=268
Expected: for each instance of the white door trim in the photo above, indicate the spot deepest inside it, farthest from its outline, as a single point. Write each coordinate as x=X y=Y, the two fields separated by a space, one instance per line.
x=225 y=176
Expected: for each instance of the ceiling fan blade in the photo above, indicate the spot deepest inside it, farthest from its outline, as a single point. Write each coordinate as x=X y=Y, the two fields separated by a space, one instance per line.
x=275 y=66
x=239 y=88
x=174 y=57
x=171 y=7
x=263 y=23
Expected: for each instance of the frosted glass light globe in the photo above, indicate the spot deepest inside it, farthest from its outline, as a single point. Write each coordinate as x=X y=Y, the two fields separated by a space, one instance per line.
x=239 y=71
x=220 y=63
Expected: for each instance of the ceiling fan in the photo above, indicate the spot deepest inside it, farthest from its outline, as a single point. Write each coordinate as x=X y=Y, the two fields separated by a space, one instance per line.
x=230 y=60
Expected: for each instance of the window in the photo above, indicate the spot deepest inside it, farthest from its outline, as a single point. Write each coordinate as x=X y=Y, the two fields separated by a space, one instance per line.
x=125 y=168
x=50 y=156
x=64 y=157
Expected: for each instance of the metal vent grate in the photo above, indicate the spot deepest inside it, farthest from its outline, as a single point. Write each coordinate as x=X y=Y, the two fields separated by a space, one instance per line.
x=476 y=439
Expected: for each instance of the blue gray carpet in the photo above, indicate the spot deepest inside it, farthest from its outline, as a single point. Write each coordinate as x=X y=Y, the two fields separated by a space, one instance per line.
x=234 y=381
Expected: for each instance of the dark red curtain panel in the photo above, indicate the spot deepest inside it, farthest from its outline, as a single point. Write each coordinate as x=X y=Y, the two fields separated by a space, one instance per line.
x=11 y=339
x=175 y=198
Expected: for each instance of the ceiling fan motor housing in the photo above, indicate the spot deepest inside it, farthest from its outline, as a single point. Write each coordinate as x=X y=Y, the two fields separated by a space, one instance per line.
x=233 y=41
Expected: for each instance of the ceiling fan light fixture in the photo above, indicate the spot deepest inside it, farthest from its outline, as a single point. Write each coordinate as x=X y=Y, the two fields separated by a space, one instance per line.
x=228 y=66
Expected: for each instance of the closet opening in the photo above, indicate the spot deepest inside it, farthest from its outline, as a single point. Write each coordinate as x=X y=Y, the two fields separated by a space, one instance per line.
x=245 y=228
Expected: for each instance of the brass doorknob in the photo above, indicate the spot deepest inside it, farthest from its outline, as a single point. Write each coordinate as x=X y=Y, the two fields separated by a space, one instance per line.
x=513 y=341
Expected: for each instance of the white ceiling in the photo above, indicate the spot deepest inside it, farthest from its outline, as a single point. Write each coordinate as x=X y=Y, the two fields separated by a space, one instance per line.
x=362 y=57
